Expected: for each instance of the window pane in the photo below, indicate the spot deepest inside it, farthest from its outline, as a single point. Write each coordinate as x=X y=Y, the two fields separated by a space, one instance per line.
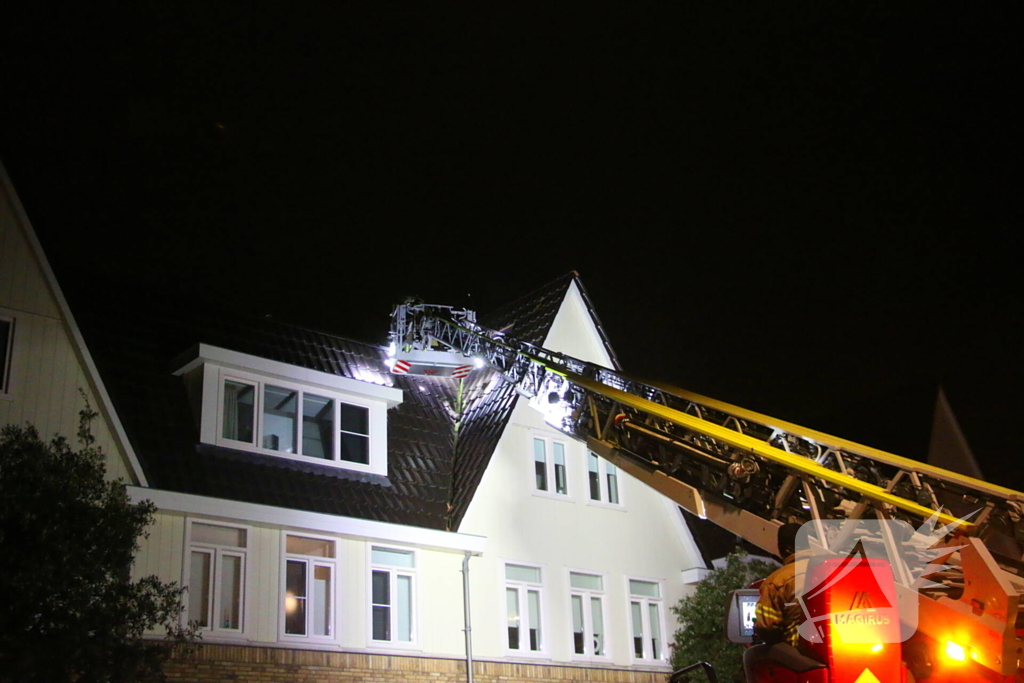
x=648 y=589
x=393 y=558
x=381 y=609
x=199 y=589
x=533 y=606
x=585 y=581
x=655 y=630
x=317 y=426
x=577 y=624
x=594 y=477
x=613 y=483
x=597 y=617
x=239 y=411
x=218 y=535
x=295 y=598
x=231 y=592
x=322 y=578
x=638 y=629
x=280 y=423
x=512 y=607
x=560 y=483
x=540 y=465
x=355 y=419
x=404 y=608
x=313 y=547
x=5 y=338
x=515 y=572
x=381 y=588
x=354 y=448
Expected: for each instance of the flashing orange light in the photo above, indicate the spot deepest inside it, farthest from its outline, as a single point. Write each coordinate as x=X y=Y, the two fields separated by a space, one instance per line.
x=955 y=651
x=877 y=647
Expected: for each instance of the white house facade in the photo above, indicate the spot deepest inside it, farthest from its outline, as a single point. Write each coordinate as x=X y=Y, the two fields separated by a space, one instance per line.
x=322 y=511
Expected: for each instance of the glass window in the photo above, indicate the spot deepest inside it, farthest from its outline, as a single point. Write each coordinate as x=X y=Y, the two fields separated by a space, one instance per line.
x=540 y=466
x=355 y=434
x=522 y=608
x=216 y=587
x=309 y=587
x=280 y=420
x=392 y=577
x=645 y=610
x=6 y=337
x=239 y=416
x=317 y=426
x=604 y=480
x=587 y=604
x=560 y=481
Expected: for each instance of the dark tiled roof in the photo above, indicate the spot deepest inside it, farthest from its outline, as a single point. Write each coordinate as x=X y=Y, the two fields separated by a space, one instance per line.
x=433 y=469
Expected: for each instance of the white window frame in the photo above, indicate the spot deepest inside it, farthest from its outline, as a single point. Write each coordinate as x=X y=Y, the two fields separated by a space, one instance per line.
x=376 y=422
x=414 y=601
x=549 y=466
x=311 y=563
x=602 y=477
x=8 y=355
x=217 y=552
x=645 y=601
x=588 y=617
x=523 y=587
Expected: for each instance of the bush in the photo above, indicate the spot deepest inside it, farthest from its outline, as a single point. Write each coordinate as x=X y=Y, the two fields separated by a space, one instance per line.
x=701 y=636
x=69 y=610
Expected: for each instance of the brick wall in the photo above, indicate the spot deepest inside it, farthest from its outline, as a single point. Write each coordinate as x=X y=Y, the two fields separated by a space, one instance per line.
x=217 y=663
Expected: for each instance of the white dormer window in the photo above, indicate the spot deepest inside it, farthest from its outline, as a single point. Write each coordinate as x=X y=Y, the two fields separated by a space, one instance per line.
x=263 y=406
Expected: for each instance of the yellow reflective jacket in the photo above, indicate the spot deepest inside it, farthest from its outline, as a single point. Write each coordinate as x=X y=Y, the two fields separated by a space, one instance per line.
x=778 y=615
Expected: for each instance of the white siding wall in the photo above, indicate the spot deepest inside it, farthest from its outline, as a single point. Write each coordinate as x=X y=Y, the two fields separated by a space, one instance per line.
x=645 y=539
x=45 y=371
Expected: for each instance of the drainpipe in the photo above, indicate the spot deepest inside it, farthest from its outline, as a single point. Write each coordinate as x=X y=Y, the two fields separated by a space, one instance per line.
x=469 y=622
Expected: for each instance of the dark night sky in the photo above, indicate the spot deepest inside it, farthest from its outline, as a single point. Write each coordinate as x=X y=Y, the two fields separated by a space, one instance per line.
x=804 y=209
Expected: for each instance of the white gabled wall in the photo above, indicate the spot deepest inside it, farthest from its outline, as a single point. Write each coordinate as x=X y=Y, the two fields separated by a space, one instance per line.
x=46 y=368
x=644 y=539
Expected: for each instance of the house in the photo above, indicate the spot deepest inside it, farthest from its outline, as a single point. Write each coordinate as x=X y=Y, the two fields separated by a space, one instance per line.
x=323 y=512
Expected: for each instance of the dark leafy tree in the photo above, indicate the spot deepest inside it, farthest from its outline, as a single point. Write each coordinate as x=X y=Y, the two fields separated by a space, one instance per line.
x=69 y=610
x=701 y=636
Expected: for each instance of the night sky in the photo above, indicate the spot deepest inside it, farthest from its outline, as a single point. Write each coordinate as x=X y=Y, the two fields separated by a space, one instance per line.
x=802 y=208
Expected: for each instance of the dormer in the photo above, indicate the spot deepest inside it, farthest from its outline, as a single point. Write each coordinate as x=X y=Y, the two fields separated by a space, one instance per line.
x=249 y=403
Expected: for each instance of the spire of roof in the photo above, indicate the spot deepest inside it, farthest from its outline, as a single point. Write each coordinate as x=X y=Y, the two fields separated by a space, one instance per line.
x=948 y=447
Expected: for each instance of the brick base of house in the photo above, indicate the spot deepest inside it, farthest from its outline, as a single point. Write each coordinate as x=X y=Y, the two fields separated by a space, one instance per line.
x=218 y=663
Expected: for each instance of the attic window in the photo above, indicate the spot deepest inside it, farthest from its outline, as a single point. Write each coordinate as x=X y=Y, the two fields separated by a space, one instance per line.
x=6 y=342
x=291 y=420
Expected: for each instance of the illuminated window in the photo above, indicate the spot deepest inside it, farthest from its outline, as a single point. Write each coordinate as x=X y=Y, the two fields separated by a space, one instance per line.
x=522 y=608
x=603 y=481
x=6 y=344
x=216 y=577
x=309 y=586
x=645 y=613
x=392 y=579
x=587 y=604
x=549 y=466
x=294 y=421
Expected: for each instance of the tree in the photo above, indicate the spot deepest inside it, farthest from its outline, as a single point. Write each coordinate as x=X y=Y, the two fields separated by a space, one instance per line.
x=69 y=610
x=701 y=636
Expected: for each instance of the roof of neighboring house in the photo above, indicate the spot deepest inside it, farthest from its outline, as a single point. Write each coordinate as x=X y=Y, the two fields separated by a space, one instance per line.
x=432 y=472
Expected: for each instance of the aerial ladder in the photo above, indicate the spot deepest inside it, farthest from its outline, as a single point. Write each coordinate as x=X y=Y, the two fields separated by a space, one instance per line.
x=749 y=473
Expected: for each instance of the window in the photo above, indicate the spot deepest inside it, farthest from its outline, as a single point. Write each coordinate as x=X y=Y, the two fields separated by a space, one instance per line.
x=522 y=608
x=293 y=421
x=392 y=582
x=603 y=480
x=645 y=612
x=216 y=578
x=309 y=587
x=587 y=598
x=549 y=466
x=6 y=343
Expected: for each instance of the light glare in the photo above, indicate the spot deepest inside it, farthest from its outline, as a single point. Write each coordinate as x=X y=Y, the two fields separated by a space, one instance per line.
x=955 y=651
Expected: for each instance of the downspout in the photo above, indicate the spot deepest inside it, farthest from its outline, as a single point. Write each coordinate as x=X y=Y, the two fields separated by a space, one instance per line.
x=468 y=619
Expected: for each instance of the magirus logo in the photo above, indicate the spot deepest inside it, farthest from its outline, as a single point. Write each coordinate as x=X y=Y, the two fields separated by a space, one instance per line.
x=860 y=578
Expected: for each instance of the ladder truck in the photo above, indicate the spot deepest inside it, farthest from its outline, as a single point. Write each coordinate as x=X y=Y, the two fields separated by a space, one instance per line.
x=750 y=473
